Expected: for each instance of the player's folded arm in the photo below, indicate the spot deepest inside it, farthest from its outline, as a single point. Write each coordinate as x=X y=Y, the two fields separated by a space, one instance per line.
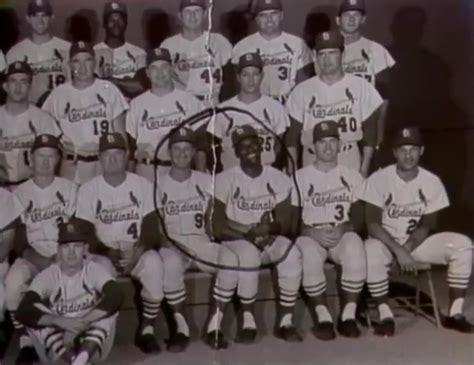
x=28 y=313
x=223 y=229
x=112 y=298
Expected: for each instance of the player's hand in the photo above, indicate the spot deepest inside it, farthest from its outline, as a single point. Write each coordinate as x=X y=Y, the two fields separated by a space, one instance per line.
x=406 y=262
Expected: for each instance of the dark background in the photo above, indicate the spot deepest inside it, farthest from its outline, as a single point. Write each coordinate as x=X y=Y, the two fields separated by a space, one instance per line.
x=431 y=85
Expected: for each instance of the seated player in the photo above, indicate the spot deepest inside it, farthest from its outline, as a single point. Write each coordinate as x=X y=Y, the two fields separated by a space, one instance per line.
x=185 y=200
x=118 y=207
x=46 y=201
x=329 y=192
x=69 y=309
x=403 y=204
x=251 y=217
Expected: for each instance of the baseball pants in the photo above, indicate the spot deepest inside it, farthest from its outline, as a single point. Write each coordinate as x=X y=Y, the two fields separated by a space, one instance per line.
x=79 y=171
x=447 y=248
x=3 y=273
x=288 y=270
x=349 y=253
x=349 y=155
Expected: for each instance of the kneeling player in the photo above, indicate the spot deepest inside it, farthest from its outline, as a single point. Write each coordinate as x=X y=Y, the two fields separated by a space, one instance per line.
x=403 y=204
x=70 y=307
x=251 y=217
x=328 y=193
x=185 y=198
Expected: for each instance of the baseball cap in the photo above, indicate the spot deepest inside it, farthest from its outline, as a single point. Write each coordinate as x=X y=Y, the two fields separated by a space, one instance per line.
x=158 y=54
x=81 y=47
x=348 y=5
x=19 y=67
x=325 y=129
x=185 y=3
x=250 y=59
x=242 y=132
x=408 y=135
x=329 y=39
x=112 y=141
x=71 y=232
x=183 y=134
x=263 y=5
x=46 y=140
x=39 y=6
x=114 y=7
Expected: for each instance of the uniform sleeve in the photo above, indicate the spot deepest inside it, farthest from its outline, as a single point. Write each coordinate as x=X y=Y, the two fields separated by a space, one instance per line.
x=97 y=276
x=48 y=124
x=218 y=125
x=238 y=51
x=44 y=282
x=195 y=106
x=382 y=58
x=11 y=208
x=296 y=186
x=372 y=191
x=281 y=119
x=224 y=49
x=305 y=57
x=73 y=192
x=131 y=123
x=222 y=186
x=148 y=198
x=295 y=104
x=371 y=100
x=439 y=198
x=13 y=55
x=3 y=62
x=119 y=104
x=357 y=186
x=85 y=201
x=49 y=105
x=284 y=186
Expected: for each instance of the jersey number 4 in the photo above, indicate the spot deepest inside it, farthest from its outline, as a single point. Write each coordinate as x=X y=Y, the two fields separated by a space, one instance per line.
x=132 y=230
x=216 y=75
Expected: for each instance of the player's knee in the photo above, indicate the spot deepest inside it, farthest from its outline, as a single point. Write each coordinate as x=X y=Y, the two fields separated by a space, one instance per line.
x=249 y=256
x=291 y=264
x=172 y=260
x=462 y=242
x=151 y=262
x=373 y=249
x=227 y=257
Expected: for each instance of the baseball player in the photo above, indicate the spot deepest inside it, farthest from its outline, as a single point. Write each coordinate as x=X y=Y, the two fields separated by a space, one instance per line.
x=20 y=123
x=286 y=58
x=85 y=108
x=69 y=308
x=199 y=56
x=334 y=95
x=403 y=204
x=118 y=60
x=329 y=192
x=250 y=217
x=118 y=207
x=45 y=53
x=185 y=200
x=273 y=115
x=155 y=113
x=46 y=201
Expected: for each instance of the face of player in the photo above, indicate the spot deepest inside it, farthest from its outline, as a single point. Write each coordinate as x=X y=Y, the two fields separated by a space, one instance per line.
x=350 y=21
x=269 y=22
x=17 y=87
x=82 y=66
x=113 y=161
x=181 y=154
x=115 y=25
x=250 y=79
x=160 y=74
x=408 y=157
x=192 y=17
x=249 y=152
x=40 y=23
x=326 y=149
x=329 y=60
x=44 y=161
x=71 y=255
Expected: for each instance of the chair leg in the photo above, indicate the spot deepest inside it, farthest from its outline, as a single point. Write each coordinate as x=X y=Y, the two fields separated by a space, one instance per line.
x=434 y=300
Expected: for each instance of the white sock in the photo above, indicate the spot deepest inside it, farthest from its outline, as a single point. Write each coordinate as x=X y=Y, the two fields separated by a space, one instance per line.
x=215 y=322
x=287 y=320
x=81 y=359
x=384 y=311
x=249 y=321
x=456 y=307
x=323 y=313
x=349 y=311
x=181 y=324
x=148 y=330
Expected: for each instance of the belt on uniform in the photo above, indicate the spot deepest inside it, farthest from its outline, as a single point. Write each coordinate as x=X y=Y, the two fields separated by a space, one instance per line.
x=155 y=162
x=8 y=184
x=82 y=158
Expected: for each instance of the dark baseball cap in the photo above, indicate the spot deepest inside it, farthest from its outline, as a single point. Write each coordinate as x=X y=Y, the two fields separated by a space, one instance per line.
x=39 y=6
x=19 y=67
x=263 y=5
x=329 y=39
x=348 y=5
x=408 y=136
x=46 y=140
x=81 y=47
x=325 y=129
x=71 y=232
x=185 y=3
x=112 y=141
x=243 y=132
x=158 y=54
x=115 y=7
x=182 y=134
x=248 y=60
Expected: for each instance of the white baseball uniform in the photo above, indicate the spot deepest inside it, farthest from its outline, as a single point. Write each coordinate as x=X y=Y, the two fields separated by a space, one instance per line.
x=3 y=62
x=404 y=204
x=17 y=133
x=282 y=58
x=275 y=122
x=198 y=63
x=48 y=61
x=123 y=61
x=348 y=102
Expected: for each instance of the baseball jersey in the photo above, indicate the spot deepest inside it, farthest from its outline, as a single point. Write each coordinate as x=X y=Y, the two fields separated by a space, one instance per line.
x=184 y=203
x=275 y=122
x=246 y=198
x=48 y=61
x=116 y=212
x=85 y=115
x=70 y=296
x=326 y=197
x=124 y=60
x=11 y=208
x=198 y=63
x=404 y=203
x=152 y=117
x=3 y=62
x=282 y=58
x=44 y=209
x=17 y=133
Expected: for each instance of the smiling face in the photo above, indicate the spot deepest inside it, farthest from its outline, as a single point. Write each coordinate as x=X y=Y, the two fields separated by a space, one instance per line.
x=17 y=87
x=181 y=154
x=350 y=21
x=82 y=66
x=116 y=25
x=326 y=149
x=249 y=152
x=408 y=157
x=269 y=22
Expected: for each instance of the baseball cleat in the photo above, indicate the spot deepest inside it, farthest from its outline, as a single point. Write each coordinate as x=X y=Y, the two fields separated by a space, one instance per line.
x=177 y=343
x=324 y=331
x=27 y=356
x=458 y=323
x=385 y=328
x=147 y=343
x=246 y=336
x=216 y=340
x=348 y=328
x=288 y=334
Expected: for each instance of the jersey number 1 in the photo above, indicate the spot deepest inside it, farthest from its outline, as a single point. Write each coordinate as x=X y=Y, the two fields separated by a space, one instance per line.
x=101 y=128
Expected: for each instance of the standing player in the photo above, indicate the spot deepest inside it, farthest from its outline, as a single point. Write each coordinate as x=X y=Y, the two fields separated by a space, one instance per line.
x=45 y=53
x=286 y=58
x=156 y=112
x=251 y=217
x=118 y=207
x=118 y=60
x=334 y=95
x=403 y=203
x=46 y=201
x=328 y=194
x=199 y=56
x=185 y=201
x=20 y=123
x=70 y=307
x=273 y=115
x=85 y=108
